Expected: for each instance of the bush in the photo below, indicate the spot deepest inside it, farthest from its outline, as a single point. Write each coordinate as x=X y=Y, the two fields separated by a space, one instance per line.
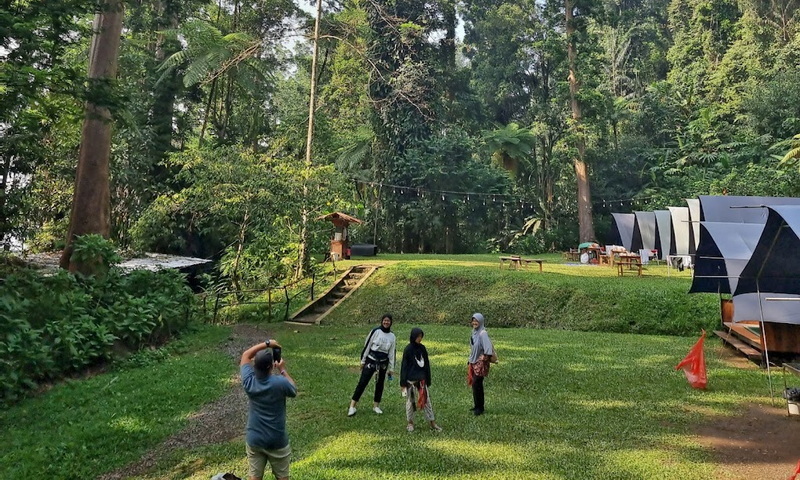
x=57 y=325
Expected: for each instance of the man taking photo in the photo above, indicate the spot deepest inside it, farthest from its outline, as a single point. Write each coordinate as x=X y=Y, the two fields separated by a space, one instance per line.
x=266 y=438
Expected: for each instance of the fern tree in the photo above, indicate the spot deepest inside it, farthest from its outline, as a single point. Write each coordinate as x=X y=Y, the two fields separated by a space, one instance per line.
x=231 y=66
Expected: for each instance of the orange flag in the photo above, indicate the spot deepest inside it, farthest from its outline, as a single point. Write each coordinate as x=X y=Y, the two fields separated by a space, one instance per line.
x=694 y=365
x=796 y=472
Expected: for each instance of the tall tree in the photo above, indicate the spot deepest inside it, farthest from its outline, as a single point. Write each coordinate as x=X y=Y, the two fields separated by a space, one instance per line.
x=91 y=204
x=585 y=222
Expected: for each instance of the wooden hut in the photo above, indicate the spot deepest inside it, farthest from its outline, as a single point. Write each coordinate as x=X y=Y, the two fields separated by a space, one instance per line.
x=340 y=241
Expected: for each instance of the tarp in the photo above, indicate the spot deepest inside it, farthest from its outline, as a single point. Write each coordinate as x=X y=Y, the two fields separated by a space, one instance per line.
x=646 y=223
x=664 y=224
x=723 y=252
x=625 y=223
x=718 y=208
x=773 y=270
x=694 y=219
x=680 y=229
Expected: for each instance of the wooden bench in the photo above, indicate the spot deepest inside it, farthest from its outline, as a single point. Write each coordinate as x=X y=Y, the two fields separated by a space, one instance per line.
x=629 y=262
x=519 y=262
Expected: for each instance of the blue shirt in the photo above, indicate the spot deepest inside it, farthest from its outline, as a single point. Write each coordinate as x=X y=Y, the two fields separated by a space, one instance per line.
x=266 y=422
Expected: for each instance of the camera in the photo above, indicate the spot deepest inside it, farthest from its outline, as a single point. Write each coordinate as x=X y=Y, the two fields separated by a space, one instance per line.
x=276 y=354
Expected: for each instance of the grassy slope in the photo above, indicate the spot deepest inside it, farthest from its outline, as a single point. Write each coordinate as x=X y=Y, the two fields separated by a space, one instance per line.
x=448 y=289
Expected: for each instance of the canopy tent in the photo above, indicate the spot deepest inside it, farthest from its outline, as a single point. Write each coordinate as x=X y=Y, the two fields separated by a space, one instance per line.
x=664 y=227
x=680 y=229
x=724 y=208
x=769 y=285
x=625 y=226
x=722 y=253
x=646 y=224
x=694 y=221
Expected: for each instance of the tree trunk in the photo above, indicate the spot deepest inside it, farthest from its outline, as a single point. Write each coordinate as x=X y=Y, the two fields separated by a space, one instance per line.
x=302 y=257
x=585 y=223
x=91 y=204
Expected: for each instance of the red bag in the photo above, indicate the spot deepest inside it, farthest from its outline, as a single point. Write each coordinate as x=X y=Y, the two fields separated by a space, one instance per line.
x=694 y=365
x=423 y=395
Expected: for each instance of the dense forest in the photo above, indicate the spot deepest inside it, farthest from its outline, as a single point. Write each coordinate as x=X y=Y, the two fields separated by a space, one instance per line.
x=183 y=126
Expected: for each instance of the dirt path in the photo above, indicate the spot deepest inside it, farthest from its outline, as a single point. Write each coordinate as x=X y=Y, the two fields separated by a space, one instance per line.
x=761 y=444
x=217 y=422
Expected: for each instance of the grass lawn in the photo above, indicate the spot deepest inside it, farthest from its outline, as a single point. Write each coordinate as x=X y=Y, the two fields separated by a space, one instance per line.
x=560 y=405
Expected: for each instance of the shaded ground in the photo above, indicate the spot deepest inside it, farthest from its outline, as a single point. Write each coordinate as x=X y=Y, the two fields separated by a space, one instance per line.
x=761 y=444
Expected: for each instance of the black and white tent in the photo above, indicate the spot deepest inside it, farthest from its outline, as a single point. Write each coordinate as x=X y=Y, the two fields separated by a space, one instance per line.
x=769 y=285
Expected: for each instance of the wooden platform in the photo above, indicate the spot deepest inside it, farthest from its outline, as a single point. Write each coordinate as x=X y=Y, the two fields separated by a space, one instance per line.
x=735 y=342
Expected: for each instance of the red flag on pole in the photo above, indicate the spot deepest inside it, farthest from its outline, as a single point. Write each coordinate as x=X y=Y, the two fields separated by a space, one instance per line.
x=694 y=365
x=796 y=472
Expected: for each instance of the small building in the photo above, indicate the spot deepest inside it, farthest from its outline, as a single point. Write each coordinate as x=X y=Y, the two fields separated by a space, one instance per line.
x=340 y=242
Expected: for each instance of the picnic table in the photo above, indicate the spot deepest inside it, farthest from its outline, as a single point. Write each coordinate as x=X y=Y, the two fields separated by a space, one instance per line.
x=629 y=260
x=517 y=262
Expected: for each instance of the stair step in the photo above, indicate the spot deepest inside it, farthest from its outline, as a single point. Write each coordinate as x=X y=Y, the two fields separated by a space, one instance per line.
x=734 y=342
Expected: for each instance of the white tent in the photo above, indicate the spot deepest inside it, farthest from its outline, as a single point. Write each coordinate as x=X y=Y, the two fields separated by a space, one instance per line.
x=694 y=220
x=664 y=224
x=722 y=253
x=625 y=223
x=680 y=229
x=769 y=285
x=646 y=223
x=726 y=208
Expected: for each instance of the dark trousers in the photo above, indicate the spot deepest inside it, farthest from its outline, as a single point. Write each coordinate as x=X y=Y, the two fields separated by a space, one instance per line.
x=477 y=392
x=366 y=374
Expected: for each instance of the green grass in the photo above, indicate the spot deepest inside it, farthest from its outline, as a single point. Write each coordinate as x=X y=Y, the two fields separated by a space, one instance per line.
x=559 y=405
x=570 y=398
x=83 y=427
x=448 y=289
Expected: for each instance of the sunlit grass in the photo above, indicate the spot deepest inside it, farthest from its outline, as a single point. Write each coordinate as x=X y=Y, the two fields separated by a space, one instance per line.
x=559 y=405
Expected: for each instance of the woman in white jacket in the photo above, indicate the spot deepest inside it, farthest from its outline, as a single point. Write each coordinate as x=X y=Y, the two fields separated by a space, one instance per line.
x=377 y=356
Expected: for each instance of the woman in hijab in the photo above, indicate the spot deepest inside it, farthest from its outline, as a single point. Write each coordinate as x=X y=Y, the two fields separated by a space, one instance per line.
x=415 y=378
x=377 y=356
x=480 y=355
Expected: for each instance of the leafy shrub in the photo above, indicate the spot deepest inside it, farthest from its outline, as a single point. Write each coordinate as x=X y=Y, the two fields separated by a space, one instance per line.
x=57 y=325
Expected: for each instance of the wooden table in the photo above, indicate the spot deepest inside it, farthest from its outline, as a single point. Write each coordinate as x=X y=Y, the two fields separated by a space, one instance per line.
x=629 y=260
x=519 y=262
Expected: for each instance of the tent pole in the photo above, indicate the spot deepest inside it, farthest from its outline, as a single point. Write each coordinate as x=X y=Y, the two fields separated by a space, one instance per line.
x=761 y=308
x=764 y=341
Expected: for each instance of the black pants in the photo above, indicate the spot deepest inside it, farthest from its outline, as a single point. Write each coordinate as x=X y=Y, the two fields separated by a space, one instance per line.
x=477 y=392
x=366 y=374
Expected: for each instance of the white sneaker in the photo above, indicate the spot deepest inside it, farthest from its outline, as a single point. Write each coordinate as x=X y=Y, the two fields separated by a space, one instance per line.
x=377 y=410
x=351 y=411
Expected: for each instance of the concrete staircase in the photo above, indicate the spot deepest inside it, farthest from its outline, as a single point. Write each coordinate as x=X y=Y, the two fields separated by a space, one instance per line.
x=316 y=310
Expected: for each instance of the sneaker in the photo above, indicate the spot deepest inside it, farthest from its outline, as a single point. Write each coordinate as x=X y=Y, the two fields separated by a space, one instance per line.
x=478 y=411
x=377 y=410
x=351 y=411
x=436 y=428
x=410 y=427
